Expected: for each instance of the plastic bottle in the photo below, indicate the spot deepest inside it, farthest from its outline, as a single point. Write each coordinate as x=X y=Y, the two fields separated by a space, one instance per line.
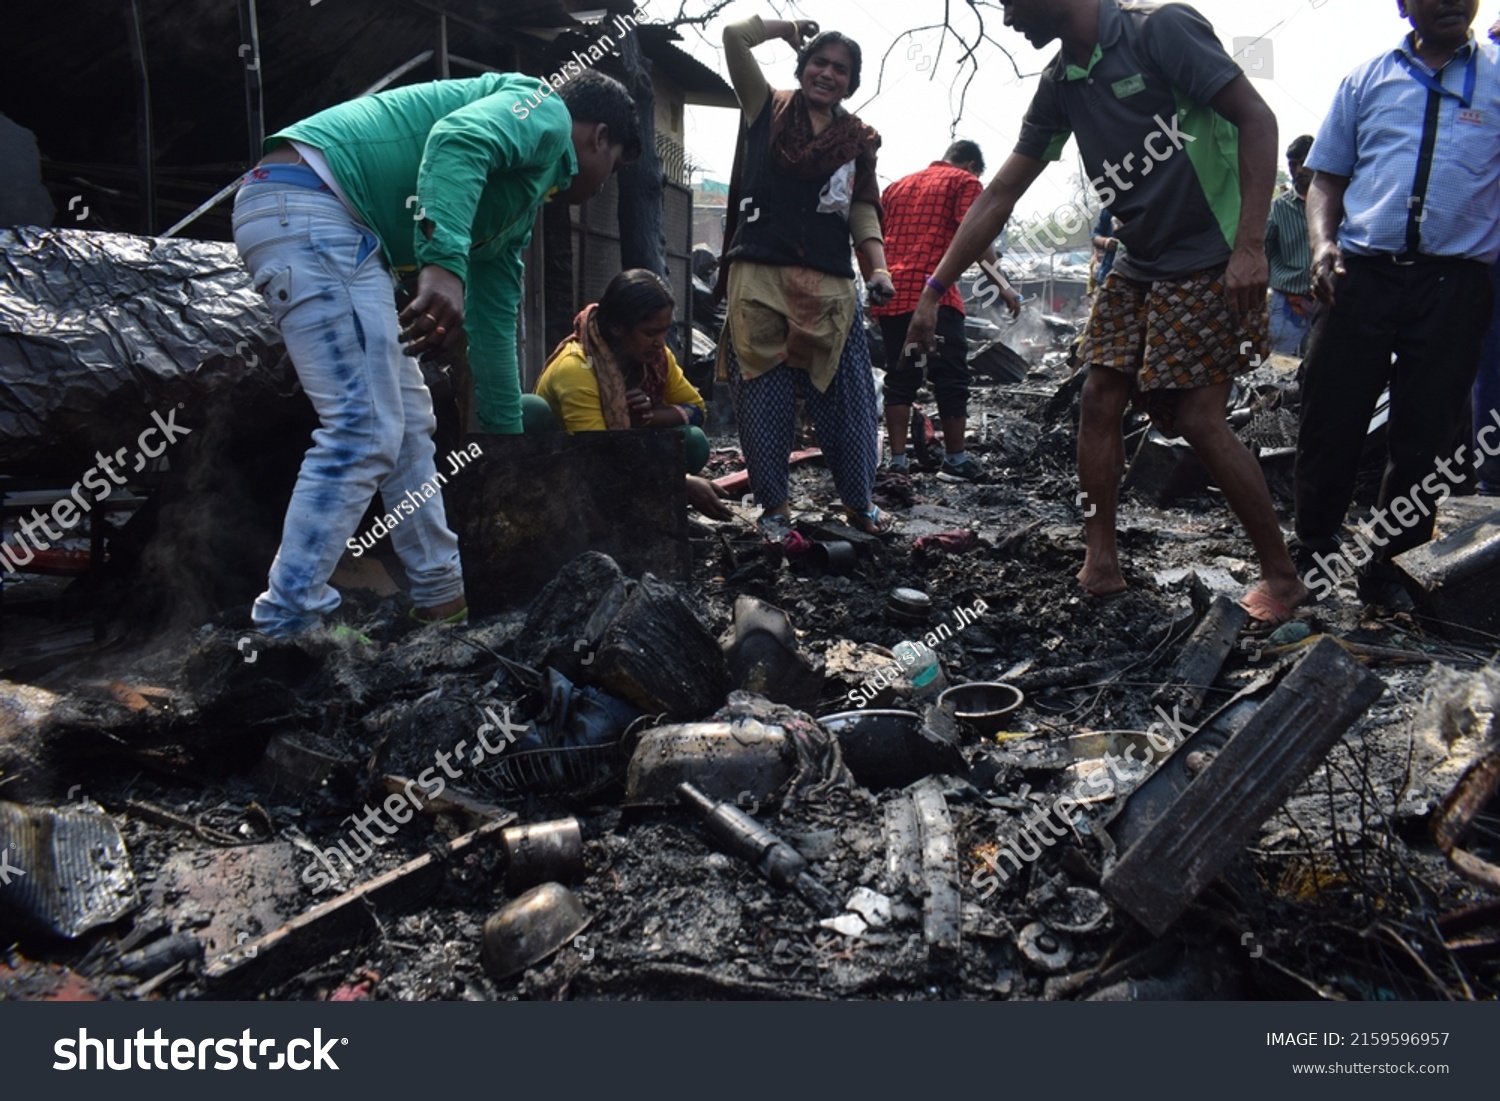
x=920 y=664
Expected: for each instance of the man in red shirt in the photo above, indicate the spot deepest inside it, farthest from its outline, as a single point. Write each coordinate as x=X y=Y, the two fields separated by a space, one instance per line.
x=922 y=213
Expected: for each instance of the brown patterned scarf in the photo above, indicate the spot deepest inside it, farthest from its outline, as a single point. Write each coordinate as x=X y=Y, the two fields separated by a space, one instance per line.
x=804 y=155
x=610 y=378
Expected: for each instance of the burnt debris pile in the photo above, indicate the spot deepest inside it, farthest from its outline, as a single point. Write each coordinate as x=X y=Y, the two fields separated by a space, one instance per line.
x=834 y=767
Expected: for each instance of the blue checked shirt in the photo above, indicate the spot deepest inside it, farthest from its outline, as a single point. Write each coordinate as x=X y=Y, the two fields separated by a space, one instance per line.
x=1373 y=135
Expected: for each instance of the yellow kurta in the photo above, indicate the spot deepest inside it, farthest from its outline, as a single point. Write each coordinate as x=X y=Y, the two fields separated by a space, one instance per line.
x=572 y=390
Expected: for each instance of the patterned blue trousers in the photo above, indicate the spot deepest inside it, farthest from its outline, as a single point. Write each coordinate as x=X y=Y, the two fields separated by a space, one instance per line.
x=845 y=416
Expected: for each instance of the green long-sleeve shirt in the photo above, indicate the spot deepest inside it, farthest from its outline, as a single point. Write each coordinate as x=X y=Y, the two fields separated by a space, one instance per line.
x=474 y=158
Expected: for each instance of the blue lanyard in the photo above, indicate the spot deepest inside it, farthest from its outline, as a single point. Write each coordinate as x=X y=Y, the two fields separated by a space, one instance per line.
x=1434 y=84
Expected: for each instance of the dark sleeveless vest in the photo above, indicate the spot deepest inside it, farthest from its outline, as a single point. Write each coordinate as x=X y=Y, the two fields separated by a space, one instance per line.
x=789 y=231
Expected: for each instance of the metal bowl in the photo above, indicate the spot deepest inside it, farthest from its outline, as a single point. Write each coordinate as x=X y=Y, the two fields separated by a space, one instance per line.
x=982 y=704
x=529 y=929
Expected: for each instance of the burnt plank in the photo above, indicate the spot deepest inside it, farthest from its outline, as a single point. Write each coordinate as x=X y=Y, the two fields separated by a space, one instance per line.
x=1190 y=844
x=331 y=926
x=903 y=846
x=1202 y=656
x=1475 y=788
x=1455 y=580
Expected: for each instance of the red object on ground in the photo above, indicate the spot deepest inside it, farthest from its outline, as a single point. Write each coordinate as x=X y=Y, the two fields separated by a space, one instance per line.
x=357 y=992
x=738 y=484
x=953 y=542
x=46 y=982
x=796 y=544
x=61 y=563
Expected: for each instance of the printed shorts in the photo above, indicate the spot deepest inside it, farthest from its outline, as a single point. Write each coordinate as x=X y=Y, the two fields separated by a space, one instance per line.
x=1173 y=335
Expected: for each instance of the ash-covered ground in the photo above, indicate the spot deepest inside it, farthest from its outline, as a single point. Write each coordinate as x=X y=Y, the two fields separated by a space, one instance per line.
x=1338 y=897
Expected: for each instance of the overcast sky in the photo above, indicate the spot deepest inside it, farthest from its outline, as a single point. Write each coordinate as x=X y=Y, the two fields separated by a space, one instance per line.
x=1309 y=46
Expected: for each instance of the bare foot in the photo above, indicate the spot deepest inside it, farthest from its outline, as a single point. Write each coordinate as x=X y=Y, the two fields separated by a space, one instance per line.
x=1101 y=579
x=1273 y=600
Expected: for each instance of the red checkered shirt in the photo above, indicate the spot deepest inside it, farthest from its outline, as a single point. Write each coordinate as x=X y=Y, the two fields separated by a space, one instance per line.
x=922 y=213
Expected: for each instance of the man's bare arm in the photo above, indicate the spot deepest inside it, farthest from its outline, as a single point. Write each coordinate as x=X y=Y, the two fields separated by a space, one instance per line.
x=1249 y=273
x=981 y=225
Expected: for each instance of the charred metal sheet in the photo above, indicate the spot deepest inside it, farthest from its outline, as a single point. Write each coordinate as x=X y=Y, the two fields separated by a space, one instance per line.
x=63 y=872
x=1186 y=847
x=331 y=926
x=940 y=894
x=1203 y=656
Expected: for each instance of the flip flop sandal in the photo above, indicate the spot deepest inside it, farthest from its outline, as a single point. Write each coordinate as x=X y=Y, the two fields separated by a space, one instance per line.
x=775 y=528
x=873 y=522
x=460 y=616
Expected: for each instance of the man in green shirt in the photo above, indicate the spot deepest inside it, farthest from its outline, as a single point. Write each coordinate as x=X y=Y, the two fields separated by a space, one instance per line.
x=444 y=179
x=1290 y=255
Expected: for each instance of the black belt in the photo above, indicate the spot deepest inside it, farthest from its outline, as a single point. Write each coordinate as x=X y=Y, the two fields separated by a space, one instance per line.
x=1408 y=259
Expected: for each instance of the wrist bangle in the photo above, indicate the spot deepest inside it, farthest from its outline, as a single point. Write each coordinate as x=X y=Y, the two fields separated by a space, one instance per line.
x=935 y=285
x=881 y=271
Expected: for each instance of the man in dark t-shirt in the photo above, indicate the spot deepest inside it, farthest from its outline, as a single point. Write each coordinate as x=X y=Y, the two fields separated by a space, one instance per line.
x=1181 y=149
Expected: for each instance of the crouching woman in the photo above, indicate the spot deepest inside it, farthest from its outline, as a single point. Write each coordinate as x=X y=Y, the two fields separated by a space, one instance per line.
x=616 y=372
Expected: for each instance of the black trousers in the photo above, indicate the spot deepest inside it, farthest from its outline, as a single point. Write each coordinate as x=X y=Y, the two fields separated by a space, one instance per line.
x=947 y=368
x=1432 y=316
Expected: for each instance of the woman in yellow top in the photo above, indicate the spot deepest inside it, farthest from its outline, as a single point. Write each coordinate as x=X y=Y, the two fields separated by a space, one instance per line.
x=616 y=372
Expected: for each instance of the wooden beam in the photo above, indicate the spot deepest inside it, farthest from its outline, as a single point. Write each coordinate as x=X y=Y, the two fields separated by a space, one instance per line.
x=1187 y=847
x=332 y=926
x=941 y=904
x=1202 y=657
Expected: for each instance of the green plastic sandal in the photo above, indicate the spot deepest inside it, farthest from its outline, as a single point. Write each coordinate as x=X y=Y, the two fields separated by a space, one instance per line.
x=460 y=616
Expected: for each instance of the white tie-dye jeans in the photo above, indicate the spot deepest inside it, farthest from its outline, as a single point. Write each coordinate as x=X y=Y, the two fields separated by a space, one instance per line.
x=325 y=279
